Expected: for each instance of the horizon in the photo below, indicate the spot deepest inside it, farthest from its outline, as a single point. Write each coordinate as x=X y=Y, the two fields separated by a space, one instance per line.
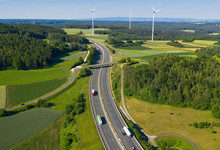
x=76 y=9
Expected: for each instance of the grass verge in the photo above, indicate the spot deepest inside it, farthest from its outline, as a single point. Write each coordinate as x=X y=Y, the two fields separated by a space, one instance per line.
x=19 y=127
x=48 y=138
x=17 y=94
x=174 y=142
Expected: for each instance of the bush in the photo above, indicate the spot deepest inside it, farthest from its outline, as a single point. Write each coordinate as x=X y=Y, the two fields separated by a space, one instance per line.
x=3 y=112
x=85 y=72
x=122 y=60
x=42 y=103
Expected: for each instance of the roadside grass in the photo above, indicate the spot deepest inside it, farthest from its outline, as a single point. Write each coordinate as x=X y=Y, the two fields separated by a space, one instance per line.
x=175 y=142
x=60 y=69
x=88 y=137
x=2 y=96
x=157 y=119
x=190 y=31
x=48 y=138
x=19 y=127
x=17 y=94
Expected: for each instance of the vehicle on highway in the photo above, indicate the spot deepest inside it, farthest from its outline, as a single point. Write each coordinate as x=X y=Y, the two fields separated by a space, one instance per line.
x=132 y=148
x=128 y=133
x=99 y=120
x=93 y=92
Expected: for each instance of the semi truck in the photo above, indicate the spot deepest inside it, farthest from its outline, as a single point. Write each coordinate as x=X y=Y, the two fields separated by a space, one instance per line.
x=93 y=92
x=99 y=120
x=128 y=133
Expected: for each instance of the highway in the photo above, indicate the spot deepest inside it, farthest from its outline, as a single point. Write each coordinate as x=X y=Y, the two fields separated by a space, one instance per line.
x=108 y=138
x=110 y=106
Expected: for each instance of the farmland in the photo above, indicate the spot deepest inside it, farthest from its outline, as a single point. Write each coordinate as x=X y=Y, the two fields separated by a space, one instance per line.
x=17 y=94
x=2 y=96
x=19 y=127
x=150 y=50
x=87 y=33
x=157 y=119
x=48 y=138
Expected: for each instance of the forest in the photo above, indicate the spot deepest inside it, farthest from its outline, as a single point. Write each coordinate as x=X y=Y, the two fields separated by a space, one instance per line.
x=34 y=46
x=178 y=81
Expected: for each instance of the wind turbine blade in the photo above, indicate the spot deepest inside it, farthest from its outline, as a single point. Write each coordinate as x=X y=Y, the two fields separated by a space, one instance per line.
x=152 y=7
x=157 y=10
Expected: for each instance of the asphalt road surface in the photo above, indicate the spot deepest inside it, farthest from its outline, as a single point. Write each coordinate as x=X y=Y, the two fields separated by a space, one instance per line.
x=111 y=108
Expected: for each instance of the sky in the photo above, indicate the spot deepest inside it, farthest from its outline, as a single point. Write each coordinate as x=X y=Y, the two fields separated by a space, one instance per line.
x=79 y=9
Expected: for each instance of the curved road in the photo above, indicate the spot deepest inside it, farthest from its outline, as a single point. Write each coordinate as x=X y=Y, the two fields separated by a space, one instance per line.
x=111 y=108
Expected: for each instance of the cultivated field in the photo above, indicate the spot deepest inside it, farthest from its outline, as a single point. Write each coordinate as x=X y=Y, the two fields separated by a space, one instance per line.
x=190 y=31
x=48 y=138
x=2 y=96
x=158 y=119
x=87 y=33
x=17 y=94
x=21 y=126
x=60 y=69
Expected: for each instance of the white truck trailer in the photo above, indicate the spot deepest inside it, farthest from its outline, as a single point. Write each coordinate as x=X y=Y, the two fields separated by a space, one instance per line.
x=127 y=131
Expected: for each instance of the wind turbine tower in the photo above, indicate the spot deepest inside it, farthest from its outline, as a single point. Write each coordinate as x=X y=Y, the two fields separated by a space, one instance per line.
x=130 y=17
x=154 y=13
x=93 y=16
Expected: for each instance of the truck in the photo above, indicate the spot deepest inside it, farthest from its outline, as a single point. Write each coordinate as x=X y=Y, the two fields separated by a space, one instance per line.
x=128 y=133
x=93 y=92
x=99 y=120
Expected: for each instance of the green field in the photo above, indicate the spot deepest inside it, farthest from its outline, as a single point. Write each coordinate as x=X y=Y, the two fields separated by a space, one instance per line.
x=60 y=69
x=17 y=94
x=2 y=96
x=205 y=42
x=21 y=126
x=76 y=30
x=157 y=119
x=172 y=141
x=47 y=139
x=152 y=49
x=215 y=34
x=190 y=31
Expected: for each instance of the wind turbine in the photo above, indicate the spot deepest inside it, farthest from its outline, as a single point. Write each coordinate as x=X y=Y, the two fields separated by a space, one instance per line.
x=93 y=16
x=154 y=13
x=130 y=16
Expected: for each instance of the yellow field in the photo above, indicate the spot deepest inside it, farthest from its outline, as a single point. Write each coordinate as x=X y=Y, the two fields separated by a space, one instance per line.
x=76 y=30
x=2 y=96
x=156 y=119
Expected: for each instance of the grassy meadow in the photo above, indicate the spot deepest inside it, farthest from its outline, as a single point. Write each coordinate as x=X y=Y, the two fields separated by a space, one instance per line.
x=17 y=94
x=48 y=138
x=16 y=128
x=172 y=141
x=60 y=69
x=158 y=119
x=2 y=96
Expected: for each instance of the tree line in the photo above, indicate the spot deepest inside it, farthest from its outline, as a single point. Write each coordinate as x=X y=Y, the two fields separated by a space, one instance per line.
x=33 y=46
x=179 y=81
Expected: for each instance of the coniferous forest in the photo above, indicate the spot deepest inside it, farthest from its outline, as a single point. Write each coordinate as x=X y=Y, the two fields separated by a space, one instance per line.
x=179 y=81
x=33 y=46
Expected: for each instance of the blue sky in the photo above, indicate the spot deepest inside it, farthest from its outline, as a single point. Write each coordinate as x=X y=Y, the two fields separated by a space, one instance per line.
x=77 y=9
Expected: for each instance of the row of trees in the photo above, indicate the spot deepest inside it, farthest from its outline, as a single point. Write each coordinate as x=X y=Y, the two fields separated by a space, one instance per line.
x=178 y=81
x=175 y=43
x=116 y=42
